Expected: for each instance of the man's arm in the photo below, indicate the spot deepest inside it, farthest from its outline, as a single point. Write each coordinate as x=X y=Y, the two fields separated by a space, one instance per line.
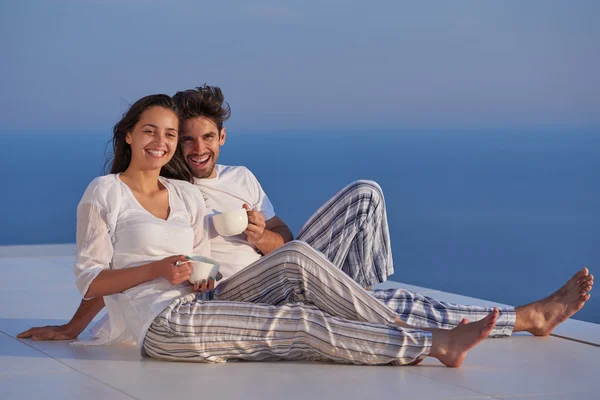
x=268 y=235
x=275 y=235
x=87 y=311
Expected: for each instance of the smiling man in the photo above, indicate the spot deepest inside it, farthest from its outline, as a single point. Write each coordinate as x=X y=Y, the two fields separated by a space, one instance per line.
x=226 y=188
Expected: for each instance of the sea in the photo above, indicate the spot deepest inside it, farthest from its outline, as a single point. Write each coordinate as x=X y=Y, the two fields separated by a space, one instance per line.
x=505 y=215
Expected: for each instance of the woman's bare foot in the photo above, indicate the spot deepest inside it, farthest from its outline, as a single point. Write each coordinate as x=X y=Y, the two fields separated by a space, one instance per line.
x=540 y=318
x=451 y=346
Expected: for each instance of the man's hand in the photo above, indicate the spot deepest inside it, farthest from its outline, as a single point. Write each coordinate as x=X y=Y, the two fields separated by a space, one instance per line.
x=256 y=225
x=266 y=236
x=50 y=332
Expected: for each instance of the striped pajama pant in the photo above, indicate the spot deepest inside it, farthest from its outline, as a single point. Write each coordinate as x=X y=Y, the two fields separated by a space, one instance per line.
x=306 y=300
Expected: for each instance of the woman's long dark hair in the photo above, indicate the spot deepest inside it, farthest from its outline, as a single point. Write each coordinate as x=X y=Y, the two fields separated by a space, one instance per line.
x=120 y=158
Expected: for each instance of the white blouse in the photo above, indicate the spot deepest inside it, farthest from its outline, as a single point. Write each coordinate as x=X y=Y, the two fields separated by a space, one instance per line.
x=114 y=231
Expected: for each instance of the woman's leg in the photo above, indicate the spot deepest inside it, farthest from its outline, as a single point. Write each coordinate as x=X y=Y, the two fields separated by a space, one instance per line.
x=262 y=320
x=297 y=273
x=291 y=304
x=351 y=230
x=220 y=331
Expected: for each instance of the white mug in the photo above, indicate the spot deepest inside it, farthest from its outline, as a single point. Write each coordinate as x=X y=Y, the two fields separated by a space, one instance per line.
x=231 y=223
x=202 y=268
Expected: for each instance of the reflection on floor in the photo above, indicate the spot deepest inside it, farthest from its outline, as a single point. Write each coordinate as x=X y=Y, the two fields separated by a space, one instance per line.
x=36 y=288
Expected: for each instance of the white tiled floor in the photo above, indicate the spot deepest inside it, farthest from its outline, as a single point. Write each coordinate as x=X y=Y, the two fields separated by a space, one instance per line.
x=36 y=288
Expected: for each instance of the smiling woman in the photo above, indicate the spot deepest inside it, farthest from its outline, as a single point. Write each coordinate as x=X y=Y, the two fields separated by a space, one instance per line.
x=135 y=224
x=134 y=138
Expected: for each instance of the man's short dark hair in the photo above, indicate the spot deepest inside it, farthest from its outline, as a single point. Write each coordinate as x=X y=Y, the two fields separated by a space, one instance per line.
x=203 y=101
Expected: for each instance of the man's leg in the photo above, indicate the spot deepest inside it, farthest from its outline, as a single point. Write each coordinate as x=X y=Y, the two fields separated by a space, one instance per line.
x=351 y=230
x=294 y=304
x=423 y=312
x=543 y=316
x=539 y=318
x=343 y=230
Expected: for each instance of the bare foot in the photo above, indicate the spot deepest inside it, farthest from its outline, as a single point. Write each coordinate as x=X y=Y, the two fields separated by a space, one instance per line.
x=451 y=346
x=540 y=318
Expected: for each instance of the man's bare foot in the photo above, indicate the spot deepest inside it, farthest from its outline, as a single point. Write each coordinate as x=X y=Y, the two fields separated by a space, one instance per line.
x=451 y=346
x=540 y=318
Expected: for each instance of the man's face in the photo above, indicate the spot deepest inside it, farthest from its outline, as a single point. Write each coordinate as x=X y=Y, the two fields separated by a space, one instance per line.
x=201 y=142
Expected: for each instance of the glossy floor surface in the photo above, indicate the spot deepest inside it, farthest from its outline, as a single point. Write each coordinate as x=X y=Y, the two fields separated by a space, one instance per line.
x=37 y=288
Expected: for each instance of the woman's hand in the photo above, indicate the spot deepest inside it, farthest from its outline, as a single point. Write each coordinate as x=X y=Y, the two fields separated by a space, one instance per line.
x=51 y=332
x=111 y=281
x=207 y=285
x=175 y=274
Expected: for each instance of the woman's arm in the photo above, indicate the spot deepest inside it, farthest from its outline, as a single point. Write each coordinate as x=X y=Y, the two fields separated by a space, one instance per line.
x=94 y=274
x=111 y=281
x=86 y=312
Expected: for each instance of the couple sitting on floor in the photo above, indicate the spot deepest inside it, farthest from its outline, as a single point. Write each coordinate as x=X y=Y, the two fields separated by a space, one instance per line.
x=279 y=299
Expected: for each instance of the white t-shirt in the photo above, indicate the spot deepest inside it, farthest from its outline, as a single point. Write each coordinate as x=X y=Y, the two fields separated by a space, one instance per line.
x=114 y=231
x=233 y=187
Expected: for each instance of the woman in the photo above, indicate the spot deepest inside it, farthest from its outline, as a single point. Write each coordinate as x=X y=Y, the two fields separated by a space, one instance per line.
x=131 y=223
x=293 y=305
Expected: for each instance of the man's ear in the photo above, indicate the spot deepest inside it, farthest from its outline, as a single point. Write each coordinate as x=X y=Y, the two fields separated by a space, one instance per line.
x=222 y=136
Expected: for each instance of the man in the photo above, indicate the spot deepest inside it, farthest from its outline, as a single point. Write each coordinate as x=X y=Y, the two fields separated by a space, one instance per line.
x=350 y=230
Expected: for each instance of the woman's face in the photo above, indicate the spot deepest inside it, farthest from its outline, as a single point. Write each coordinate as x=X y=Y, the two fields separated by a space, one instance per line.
x=153 y=139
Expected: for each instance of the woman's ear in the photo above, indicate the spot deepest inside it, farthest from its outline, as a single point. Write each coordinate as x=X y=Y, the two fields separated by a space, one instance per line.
x=128 y=138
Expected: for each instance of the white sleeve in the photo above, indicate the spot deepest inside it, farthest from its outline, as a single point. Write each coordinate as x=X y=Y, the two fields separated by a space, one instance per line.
x=261 y=200
x=94 y=244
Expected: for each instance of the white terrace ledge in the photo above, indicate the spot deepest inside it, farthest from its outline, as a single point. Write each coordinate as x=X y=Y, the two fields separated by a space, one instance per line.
x=36 y=287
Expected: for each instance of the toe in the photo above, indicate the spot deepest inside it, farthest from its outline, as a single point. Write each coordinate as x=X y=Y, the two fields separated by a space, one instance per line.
x=585 y=280
x=581 y=273
x=584 y=297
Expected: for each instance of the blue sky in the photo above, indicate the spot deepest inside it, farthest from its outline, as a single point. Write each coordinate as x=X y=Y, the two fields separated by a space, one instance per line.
x=75 y=65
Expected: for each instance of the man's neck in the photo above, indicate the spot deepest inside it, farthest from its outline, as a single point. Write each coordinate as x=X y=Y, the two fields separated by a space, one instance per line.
x=213 y=175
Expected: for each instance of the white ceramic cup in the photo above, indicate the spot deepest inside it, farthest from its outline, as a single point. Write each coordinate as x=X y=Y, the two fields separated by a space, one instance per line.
x=231 y=223
x=202 y=268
